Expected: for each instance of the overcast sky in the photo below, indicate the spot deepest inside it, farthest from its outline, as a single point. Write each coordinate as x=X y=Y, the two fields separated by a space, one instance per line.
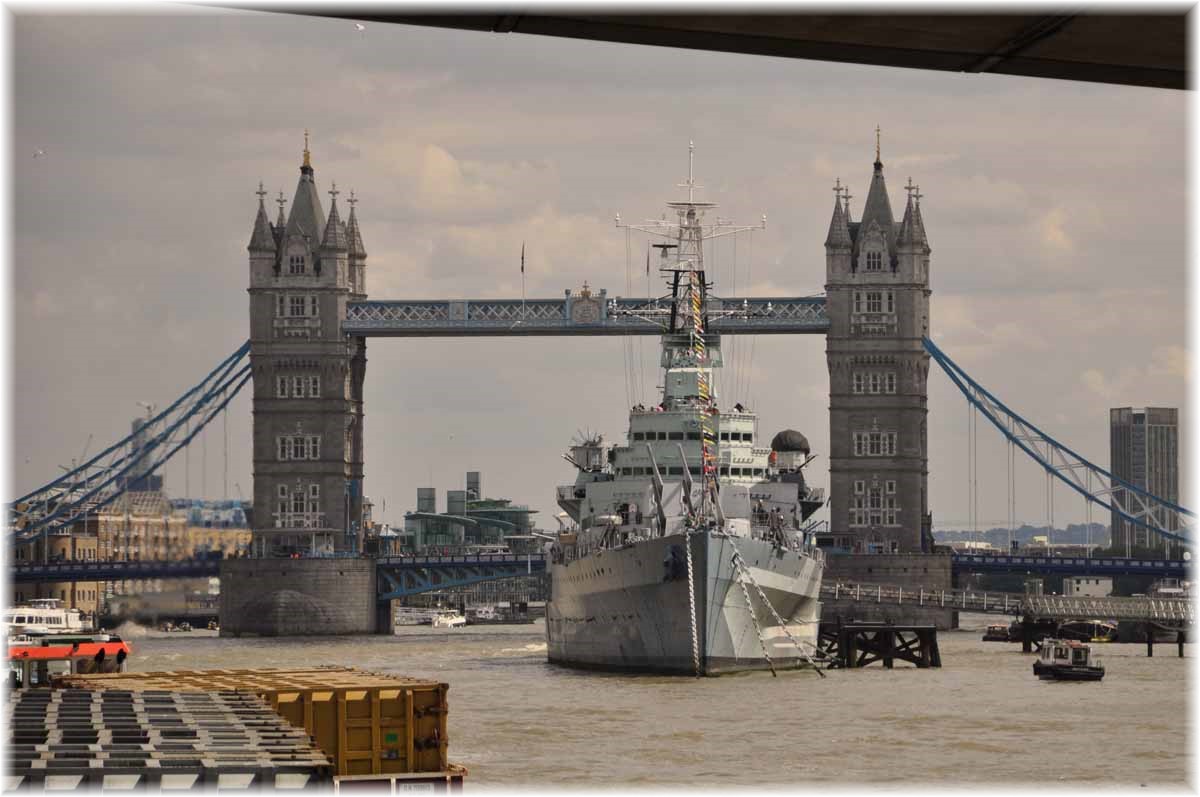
x=1055 y=210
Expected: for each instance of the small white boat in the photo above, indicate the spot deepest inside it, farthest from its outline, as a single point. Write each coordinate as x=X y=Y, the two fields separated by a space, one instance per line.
x=412 y=615
x=449 y=618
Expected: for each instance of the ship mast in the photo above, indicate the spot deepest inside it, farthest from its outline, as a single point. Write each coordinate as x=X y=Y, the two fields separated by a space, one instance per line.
x=689 y=305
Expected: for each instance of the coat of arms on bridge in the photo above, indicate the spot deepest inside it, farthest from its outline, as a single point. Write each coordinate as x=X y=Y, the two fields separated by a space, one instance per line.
x=584 y=308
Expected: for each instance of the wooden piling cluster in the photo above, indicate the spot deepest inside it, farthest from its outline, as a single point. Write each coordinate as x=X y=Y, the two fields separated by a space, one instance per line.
x=858 y=644
x=1150 y=628
x=367 y=723
x=118 y=739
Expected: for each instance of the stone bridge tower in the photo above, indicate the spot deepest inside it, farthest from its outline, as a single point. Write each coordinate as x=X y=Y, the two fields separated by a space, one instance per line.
x=877 y=284
x=307 y=375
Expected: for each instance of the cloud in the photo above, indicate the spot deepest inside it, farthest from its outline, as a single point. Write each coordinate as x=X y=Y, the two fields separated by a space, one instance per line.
x=1170 y=361
x=1053 y=234
x=924 y=161
x=1093 y=379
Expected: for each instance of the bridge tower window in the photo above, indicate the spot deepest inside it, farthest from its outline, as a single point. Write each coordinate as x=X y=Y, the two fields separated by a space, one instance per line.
x=874 y=444
x=296 y=264
x=292 y=447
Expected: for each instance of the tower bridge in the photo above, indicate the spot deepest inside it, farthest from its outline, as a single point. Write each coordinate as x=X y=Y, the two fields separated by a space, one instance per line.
x=310 y=317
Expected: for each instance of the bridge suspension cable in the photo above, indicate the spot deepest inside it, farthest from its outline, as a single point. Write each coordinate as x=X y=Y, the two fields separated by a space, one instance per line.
x=1095 y=484
x=102 y=479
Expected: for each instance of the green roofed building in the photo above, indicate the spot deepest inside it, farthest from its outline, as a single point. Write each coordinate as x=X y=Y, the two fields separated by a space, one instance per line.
x=470 y=523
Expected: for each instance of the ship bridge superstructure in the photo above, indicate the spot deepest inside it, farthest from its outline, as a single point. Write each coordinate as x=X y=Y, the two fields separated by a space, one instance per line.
x=687 y=450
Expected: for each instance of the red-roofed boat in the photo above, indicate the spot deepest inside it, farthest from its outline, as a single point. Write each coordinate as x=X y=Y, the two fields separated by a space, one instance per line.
x=45 y=640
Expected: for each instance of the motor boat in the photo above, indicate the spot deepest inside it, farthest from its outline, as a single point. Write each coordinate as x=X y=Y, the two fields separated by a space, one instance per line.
x=1067 y=660
x=996 y=633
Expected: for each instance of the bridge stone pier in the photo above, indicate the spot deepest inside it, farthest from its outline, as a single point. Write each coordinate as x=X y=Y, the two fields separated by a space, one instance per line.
x=297 y=597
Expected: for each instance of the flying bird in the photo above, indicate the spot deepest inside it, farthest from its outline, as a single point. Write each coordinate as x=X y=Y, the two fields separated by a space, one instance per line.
x=39 y=153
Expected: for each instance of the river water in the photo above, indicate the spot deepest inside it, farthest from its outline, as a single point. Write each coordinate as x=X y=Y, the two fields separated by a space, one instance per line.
x=982 y=718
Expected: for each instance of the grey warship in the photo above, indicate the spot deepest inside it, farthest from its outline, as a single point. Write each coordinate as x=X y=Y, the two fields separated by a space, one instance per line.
x=689 y=552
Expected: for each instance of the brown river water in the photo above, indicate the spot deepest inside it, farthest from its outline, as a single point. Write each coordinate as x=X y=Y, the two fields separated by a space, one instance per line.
x=982 y=718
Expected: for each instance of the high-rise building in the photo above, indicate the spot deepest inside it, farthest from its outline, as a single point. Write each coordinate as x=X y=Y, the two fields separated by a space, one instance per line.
x=1145 y=453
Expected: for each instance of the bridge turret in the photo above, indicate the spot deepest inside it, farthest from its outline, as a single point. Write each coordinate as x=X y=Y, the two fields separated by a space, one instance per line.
x=357 y=253
x=912 y=245
x=262 y=246
x=875 y=241
x=305 y=224
x=333 y=252
x=838 y=243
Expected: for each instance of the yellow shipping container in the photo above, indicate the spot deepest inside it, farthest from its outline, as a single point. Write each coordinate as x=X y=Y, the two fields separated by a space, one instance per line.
x=368 y=724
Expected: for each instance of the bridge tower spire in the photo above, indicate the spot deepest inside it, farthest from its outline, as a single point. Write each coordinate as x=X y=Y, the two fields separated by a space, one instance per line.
x=877 y=284
x=307 y=379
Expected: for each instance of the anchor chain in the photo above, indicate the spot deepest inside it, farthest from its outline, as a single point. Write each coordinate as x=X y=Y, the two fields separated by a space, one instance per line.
x=687 y=539
x=744 y=572
x=757 y=629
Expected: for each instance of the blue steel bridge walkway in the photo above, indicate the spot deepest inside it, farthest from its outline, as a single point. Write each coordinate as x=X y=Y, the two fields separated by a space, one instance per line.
x=398 y=576
x=409 y=575
x=401 y=576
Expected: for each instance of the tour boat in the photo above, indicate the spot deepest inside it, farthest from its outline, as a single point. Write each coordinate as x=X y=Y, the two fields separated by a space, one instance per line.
x=1067 y=660
x=42 y=616
x=1088 y=631
x=35 y=659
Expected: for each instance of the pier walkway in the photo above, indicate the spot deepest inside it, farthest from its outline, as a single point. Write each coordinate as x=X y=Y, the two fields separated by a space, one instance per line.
x=1050 y=607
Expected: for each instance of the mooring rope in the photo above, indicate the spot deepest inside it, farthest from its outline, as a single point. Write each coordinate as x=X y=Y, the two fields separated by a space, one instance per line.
x=757 y=628
x=687 y=539
x=744 y=572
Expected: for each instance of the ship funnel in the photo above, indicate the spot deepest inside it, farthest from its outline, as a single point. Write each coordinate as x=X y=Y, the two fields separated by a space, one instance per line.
x=656 y=480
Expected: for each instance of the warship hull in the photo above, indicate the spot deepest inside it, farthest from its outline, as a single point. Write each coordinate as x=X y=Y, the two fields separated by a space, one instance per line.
x=628 y=608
